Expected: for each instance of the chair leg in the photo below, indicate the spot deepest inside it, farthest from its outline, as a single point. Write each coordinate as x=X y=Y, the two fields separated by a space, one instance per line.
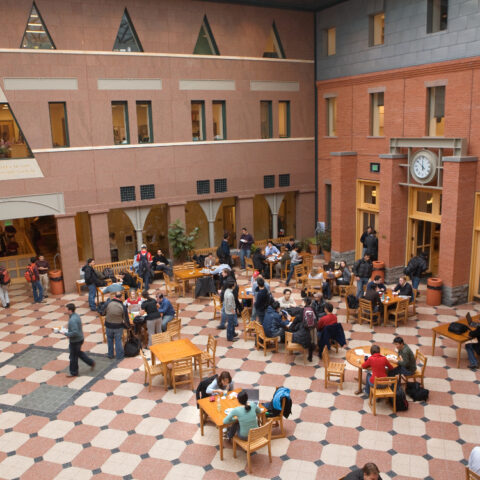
x=234 y=448
x=270 y=451
x=249 y=462
x=375 y=405
x=150 y=383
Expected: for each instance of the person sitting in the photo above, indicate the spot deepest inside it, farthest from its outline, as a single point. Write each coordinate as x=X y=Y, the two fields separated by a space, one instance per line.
x=290 y=245
x=133 y=302
x=256 y=275
x=404 y=288
x=128 y=280
x=271 y=249
x=301 y=335
x=406 y=359
x=221 y=385
x=379 y=283
x=369 y=472
x=114 y=287
x=262 y=299
x=260 y=262
x=474 y=460
x=379 y=364
x=346 y=274
x=166 y=310
x=316 y=274
x=209 y=261
x=220 y=268
x=246 y=416
x=373 y=296
x=273 y=323
x=473 y=348
x=287 y=300
x=160 y=263
x=295 y=260
x=319 y=304
x=329 y=319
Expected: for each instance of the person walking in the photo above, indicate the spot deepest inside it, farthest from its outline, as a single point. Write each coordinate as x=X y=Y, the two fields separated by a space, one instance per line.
x=416 y=266
x=43 y=268
x=230 y=313
x=32 y=276
x=363 y=271
x=75 y=336
x=4 y=283
x=116 y=319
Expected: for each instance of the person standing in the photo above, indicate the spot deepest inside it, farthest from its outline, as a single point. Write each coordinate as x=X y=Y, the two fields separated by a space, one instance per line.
x=262 y=299
x=152 y=317
x=473 y=348
x=246 y=241
x=230 y=312
x=116 y=319
x=223 y=251
x=363 y=271
x=416 y=266
x=43 y=268
x=4 y=283
x=32 y=276
x=75 y=336
x=144 y=259
x=363 y=239
x=91 y=281
x=371 y=245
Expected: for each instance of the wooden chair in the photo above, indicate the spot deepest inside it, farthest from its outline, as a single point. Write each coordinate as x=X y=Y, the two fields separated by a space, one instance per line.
x=151 y=371
x=291 y=347
x=173 y=286
x=388 y=390
x=249 y=265
x=307 y=261
x=257 y=438
x=332 y=369
x=217 y=305
x=102 y=323
x=471 y=475
x=342 y=289
x=174 y=328
x=278 y=421
x=248 y=325
x=161 y=338
x=176 y=307
x=351 y=290
x=400 y=313
x=421 y=359
x=189 y=265
x=268 y=344
x=206 y=361
x=284 y=271
x=413 y=304
x=366 y=313
x=313 y=285
x=300 y=275
x=182 y=368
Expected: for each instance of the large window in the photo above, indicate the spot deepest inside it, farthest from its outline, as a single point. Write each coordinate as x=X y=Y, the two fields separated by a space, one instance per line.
x=144 y=122
x=377 y=29
x=127 y=39
x=58 y=124
x=284 y=119
x=266 y=119
x=219 y=120
x=377 y=111
x=12 y=142
x=437 y=15
x=198 y=121
x=331 y=108
x=121 y=133
x=36 y=34
x=206 y=44
x=331 y=35
x=436 y=111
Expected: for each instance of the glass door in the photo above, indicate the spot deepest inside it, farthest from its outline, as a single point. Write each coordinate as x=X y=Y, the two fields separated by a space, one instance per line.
x=426 y=238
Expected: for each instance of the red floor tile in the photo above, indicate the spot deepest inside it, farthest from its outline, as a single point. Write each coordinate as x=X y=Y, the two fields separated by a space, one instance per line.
x=114 y=402
x=82 y=434
x=409 y=444
x=342 y=436
x=125 y=422
x=304 y=450
x=91 y=458
x=181 y=430
x=74 y=413
x=152 y=468
x=195 y=454
x=31 y=424
x=23 y=388
x=36 y=447
x=20 y=373
x=42 y=470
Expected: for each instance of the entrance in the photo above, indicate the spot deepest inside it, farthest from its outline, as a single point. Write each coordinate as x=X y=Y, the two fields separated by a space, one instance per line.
x=367 y=210
x=426 y=238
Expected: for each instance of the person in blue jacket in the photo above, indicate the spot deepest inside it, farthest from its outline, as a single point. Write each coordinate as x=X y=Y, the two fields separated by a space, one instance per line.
x=166 y=310
x=274 y=324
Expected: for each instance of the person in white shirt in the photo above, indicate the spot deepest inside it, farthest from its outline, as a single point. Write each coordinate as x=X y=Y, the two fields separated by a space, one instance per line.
x=295 y=259
x=474 y=460
x=271 y=249
x=317 y=275
x=287 y=301
x=210 y=261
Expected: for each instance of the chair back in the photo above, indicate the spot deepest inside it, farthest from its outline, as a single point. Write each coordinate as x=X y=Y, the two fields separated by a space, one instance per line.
x=211 y=345
x=471 y=475
x=145 y=362
x=386 y=382
x=402 y=307
x=249 y=263
x=174 y=327
x=288 y=339
x=217 y=304
x=299 y=270
x=184 y=366
x=350 y=290
x=176 y=307
x=315 y=283
x=189 y=265
x=325 y=357
x=308 y=261
x=245 y=316
x=265 y=432
x=161 y=338
x=421 y=359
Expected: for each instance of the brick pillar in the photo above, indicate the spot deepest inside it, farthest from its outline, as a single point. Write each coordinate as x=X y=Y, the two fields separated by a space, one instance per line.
x=305 y=214
x=392 y=224
x=458 y=204
x=343 y=168
x=244 y=215
x=67 y=242
x=100 y=238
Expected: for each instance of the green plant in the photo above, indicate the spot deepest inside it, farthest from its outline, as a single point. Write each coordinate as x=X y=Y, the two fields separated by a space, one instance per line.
x=180 y=241
x=324 y=239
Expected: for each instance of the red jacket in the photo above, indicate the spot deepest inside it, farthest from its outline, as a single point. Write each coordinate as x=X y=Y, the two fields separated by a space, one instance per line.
x=378 y=363
x=328 y=319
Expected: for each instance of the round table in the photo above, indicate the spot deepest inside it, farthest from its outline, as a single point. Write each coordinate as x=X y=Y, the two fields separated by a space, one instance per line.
x=357 y=360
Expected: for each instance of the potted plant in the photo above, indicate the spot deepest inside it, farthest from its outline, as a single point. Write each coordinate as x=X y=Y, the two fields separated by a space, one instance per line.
x=324 y=239
x=311 y=244
x=181 y=242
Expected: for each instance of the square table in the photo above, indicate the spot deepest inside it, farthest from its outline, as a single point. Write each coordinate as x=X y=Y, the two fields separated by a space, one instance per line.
x=392 y=300
x=242 y=292
x=171 y=351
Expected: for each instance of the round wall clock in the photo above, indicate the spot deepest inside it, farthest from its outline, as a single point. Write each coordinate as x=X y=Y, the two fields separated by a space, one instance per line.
x=423 y=166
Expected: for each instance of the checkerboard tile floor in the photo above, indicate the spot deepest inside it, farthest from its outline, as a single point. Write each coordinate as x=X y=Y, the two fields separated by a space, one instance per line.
x=106 y=424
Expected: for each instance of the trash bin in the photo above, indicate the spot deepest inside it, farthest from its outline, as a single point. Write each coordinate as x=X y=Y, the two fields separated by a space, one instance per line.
x=378 y=269
x=434 y=291
x=56 y=282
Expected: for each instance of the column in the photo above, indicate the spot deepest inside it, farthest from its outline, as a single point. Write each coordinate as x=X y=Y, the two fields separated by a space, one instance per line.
x=100 y=238
x=244 y=215
x=274 y=201
x=210 y=208
x=393 y=215
x=176 y=211
x=458 y=205
x=137 y=216
x=67 y=242
x=305 y=214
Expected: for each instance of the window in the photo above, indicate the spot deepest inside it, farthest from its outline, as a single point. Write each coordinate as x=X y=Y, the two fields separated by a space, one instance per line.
x=331 y=116
x=36 y=34
x=377 y=29
x=266 y=119
x=127 y=194
x=198 y=121
x=284 y=119
x=144 y=122
x=436 y=111
x=284 y=180
x=127 y=39
x=273 y=48
x=269 y=181
x=331 y=35
x=147 y=192
x=12 y=141
x=203 y=187
x=121 y=134
x=437 y=15
x=58 y=124
x=370 y=194
x=220 y=185
x=377 y=111
x=206 y=44
x=219 y=120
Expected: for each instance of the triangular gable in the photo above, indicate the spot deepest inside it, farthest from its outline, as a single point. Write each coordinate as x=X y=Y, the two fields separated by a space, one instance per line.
x=206 y=44
x=127 y=39
x=273 y=48
x=36 y=34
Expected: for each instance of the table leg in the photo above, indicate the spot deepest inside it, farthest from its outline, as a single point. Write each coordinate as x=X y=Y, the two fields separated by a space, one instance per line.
x=271 y=269
x=359 y=391
x=385 y=315
x=220 y=441
x=433 y=342
x=458 y=354
x=165 y=375
x=202 y=420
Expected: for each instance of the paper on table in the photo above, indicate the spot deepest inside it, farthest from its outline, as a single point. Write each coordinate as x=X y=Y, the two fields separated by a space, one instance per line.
x=359 y=351
x=233 y=395
x=391 y=357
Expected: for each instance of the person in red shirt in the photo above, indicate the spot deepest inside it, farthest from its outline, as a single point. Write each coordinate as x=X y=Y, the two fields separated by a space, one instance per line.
x=378 y=364
x=328 y=319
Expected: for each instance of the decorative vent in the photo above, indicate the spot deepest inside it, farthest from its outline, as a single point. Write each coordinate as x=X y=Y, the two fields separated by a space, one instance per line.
x=284 y=180
x=203 y=187
x=147 y=192
x=269 y=181
x=220 y=185
x=127 y=194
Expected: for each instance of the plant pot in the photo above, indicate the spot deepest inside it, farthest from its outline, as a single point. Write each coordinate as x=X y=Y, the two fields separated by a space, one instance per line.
x=327 y=256
x=313 y=249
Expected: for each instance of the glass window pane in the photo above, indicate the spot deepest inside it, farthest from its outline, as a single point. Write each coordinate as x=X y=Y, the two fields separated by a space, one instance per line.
x=424 y=202
x=331 y=117
x=370 y=194
x=121 y=134
x=436 y=111
x=36 y=34
x=273 y=48
x=12 y=142
x=284 y=119
x=206 y=44
x=127 y=40
x=331 y=41
x=58 y=124
x=378 y=29
x=144 y=122
x=377 y=112
x=198 y=121
x=219 y=120
x=266 y=119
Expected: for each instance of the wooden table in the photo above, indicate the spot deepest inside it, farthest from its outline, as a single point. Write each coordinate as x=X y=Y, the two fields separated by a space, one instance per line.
x=242 y=292
x=460 y=339
x=189 y=274
x=125 y=291
x=392 y=300
x=209 y=409
x=171 y=351
x=357 y=360
x=273 y=260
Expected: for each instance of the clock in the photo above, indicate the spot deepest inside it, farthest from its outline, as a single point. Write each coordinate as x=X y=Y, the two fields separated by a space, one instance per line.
x=423 y=166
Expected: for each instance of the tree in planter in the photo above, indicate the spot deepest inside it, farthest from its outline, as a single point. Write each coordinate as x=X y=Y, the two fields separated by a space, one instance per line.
x=181 y=242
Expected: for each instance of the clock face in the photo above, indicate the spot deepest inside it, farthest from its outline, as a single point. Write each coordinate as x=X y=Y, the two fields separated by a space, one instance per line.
x=423 y=166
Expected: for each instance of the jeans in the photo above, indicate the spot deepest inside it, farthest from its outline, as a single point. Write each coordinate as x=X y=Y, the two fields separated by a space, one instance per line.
x=360 y=284
x=369 y=385
x=153 y=326
x=243 y=254
x=278 y=332
x=327 y=291
x=231 y=321
x=4 y=298
x=290 y=273
x=223 y=317
x=44 y=280
x=415 y=282
x=146 y=281
x=114 y=287
x=114 y=336
x=260 y=316
x=37 y=291
x=92 y=292
x=470 y=348
x=165 y=320
x=75 y=354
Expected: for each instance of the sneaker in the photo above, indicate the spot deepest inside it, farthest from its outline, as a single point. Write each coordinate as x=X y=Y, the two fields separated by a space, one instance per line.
x=235 y=334
x=93 y=366
x=221 y=327
x=233 y=340
x=473 y=367
x=8 y=305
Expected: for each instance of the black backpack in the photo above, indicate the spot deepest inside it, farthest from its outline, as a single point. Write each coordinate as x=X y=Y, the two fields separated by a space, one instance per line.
x=401 y=400
x=201 y=391
x=457 y=328
x=417 y=392
x=108 y=273
x=352 y=302
x=102 y=307
x=132 y=345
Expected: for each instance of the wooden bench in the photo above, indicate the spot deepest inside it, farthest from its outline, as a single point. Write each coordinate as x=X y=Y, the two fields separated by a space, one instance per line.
x=205 y=251
x=117 y=267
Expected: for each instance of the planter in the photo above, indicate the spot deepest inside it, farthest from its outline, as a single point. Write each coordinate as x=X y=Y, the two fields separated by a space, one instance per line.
x=327 y=256
x=314 y=250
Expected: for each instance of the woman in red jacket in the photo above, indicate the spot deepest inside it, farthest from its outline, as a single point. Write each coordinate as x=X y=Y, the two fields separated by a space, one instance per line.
x=379 y=364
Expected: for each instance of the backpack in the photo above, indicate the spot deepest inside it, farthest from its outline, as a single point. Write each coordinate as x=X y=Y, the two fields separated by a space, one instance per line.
x=401 y=400
x=457 y=328
x=132 y=345
x=201 y=391
x=309 y=317
x=108 y=273
x=220 y=254
x=352 y=302
x=417 y=392
x=102 y=308
x=29 y=274
x=4 y=276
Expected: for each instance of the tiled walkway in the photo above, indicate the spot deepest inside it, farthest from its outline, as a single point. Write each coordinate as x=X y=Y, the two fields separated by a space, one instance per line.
x=106 y=424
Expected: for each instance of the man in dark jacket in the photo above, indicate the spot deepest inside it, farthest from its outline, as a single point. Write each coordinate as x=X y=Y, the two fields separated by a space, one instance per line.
x=368 y=472
x=262 y=299
x=363 y=239
x=160 y=264
x=416 y=266
x=473 y=348
x=319 y=304
x=116 y=318
x=374 y=297
x=91 y=281
x=36 y=284
x=371 y=245
x=223 y=251
x=246 y=241
x=273 y=323
x=363 y=271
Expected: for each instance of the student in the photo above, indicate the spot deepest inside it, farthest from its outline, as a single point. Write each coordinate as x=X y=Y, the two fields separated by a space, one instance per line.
x=152 y=317
x=473 y=348
x=246 y=415
x=378 y=282
x=116 y=319
x=260 y=261
x=369 y=472
x=374 y=297
x=362 y=271
x=166 y=310
x=91 y=281
x=160 y=264
x=209 y=261
x=287 y=301
x=294 y=261
x=262 y=299
x=133 y=302
x=407 y=364
x=329 y=319
x=220 y=385
x=273 y=323
x=416 y=266
x=346 y=274
x=37 y=288
x=144 y=259
x=43 y=268
x=404 y=288
x=230 y=310
x=271 y=249
x=246 y=241
x=316 y=274
x=379 y=365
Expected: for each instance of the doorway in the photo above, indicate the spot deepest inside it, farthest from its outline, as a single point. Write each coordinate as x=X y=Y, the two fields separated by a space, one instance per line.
x=426 y=238
x=229 y=223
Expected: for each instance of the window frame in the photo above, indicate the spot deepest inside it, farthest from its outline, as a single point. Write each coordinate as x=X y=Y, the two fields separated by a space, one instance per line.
x=202 y=127
x=270 y=119
x=372 y=24
x=331 y=47
x=127 y=126
x=331 y=122
x=374 y=111
x=431 y=28
x=287 y=119
x=430 y=115
x=223 y=104
x=149 y=118
x=67 y=137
